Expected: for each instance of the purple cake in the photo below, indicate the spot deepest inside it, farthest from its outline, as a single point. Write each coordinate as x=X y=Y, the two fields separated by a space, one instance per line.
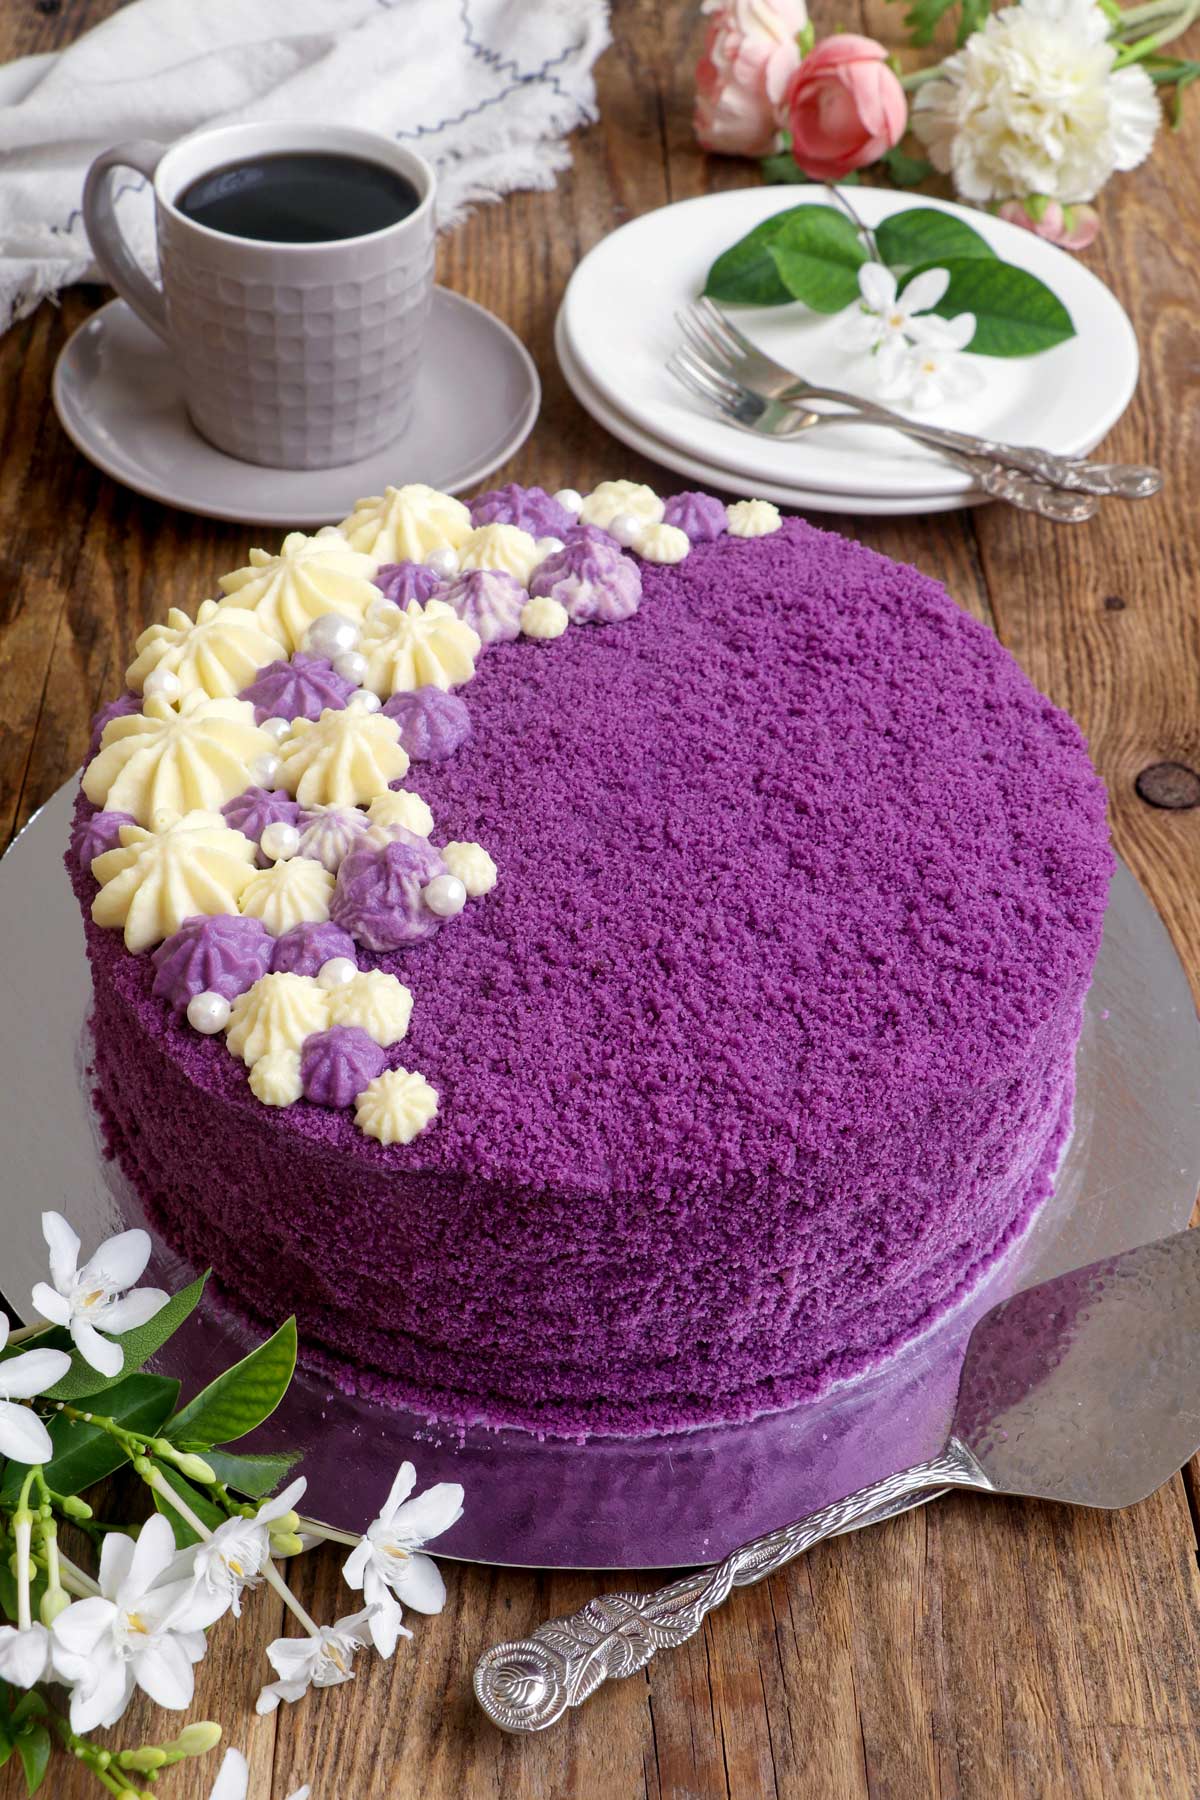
x=758 y=1054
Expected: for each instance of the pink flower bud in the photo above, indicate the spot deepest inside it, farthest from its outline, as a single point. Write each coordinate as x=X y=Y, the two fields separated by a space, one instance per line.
x=1070 y=227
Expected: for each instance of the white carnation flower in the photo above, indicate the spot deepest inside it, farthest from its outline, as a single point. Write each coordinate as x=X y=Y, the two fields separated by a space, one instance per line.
x=1032 y=105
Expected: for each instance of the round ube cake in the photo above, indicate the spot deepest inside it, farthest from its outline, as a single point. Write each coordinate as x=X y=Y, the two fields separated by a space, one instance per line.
x=757 y=1055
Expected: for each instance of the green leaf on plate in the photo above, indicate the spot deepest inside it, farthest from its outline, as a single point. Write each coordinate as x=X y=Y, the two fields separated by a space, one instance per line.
x=83 y=1454
x=242 y=1397
x=254 y=1476
x=818 y=255
x=205 y=1509
x=745 y=275
x=807 y=250
x=923 y=236
x=82 y=1381
x=33 y=1748
x=1015 y=313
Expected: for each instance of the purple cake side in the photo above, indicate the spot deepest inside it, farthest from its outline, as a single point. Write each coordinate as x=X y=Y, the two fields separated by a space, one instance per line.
x=760 y=1052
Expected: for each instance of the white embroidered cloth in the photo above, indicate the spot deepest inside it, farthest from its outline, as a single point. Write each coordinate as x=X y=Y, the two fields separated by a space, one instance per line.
x=487 y=90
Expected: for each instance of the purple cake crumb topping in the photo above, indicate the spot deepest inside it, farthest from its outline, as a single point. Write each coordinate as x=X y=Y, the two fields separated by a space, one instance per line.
x=98 y=832
x=433 y=723
x=405 y=581
x=304 y=949
x=597 y=584
x=701 y=516
x=251 y=812
x=490 y=601
x=120 y=708
x=299 y=689
x=532 y=508
x=336 y=1065
x=218 y=955
x=760 y=1052
x=378 y=897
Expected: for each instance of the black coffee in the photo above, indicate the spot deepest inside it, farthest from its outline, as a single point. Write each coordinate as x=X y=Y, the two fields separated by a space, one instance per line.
x=299 y=197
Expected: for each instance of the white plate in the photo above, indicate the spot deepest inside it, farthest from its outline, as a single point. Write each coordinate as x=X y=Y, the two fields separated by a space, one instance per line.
x=118 y=397
x=807 y=499
x=620 y=307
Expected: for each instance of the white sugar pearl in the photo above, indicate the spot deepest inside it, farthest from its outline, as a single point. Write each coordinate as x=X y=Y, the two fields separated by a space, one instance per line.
x=445 y=895
x=162 y=683
x=351 y=665
x=626 y=528
x=208 y=1012
x=570 y=499
x=336 y=972
x=382 y=612
x=276 y=728
x=364 y=701
x=444 y=563
x=264 y=771
x=331 y=635
x=279 y=841
x=547 y=546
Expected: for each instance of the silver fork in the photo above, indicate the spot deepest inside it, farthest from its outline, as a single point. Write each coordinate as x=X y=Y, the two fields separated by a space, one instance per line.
x=718 y=343
x=786 y=419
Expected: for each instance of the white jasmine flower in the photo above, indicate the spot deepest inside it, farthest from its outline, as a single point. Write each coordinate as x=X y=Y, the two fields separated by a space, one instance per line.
x=883 y=316
x=23 y=1437
x=233 y=1558
x=26 y=1656
x=925 y=376
x=324 y=1659
x=92 y=1299
x=386 y=1566
x=233 y=1778
x=138 y=1631
x=1032 y=105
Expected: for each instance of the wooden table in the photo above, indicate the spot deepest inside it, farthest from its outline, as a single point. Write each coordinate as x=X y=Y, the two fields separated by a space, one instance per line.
x=970 y=1649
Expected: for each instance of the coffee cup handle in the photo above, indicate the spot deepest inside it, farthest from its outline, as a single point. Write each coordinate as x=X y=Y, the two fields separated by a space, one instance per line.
x=116 y=260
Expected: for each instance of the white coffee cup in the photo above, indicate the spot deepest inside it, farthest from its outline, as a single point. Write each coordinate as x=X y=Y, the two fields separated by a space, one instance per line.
x=295 y=355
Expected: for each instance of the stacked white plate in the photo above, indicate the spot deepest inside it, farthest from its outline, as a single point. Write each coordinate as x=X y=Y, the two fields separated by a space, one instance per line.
x=617 y=327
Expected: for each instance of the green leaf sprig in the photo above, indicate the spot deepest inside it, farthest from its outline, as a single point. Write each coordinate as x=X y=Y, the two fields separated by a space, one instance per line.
x=812 y=253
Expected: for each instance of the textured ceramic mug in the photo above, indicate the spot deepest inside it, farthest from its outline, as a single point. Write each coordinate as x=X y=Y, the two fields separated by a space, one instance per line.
x=299 y=356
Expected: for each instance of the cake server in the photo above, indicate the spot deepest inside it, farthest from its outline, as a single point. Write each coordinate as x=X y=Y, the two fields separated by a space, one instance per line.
x=1082 y=1389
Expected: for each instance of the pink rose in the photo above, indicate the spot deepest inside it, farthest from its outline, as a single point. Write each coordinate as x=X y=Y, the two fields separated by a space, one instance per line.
x=750 y=55
x=844 y=107
x=1070 y=227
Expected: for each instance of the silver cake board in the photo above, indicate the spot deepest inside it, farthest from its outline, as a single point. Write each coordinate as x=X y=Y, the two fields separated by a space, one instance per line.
x=1129 y=1174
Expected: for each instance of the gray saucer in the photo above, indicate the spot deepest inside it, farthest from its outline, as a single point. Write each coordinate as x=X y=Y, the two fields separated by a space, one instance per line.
x=119 y=399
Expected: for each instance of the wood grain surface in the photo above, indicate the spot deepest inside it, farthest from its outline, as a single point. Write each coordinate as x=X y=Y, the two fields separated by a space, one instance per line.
x=982 y=1650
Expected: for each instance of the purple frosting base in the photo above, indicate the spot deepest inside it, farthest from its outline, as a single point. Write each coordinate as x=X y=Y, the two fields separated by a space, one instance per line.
x=760 y=1051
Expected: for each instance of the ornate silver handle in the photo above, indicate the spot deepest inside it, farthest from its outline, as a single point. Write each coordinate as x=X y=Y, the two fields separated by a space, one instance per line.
x=530 y=1685
x=1123 y=481
x=1028 y=493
